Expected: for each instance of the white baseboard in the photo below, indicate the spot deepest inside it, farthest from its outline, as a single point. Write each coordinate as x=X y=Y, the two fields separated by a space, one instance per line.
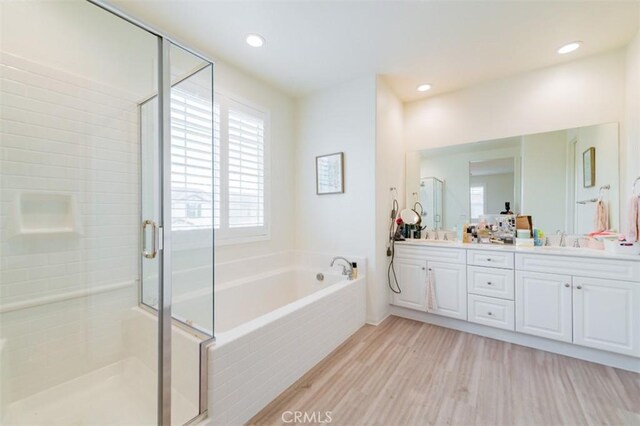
x=588 y=354
x=377 y=323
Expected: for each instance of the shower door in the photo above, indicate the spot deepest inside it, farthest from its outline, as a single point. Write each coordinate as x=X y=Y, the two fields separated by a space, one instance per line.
x=177 y=225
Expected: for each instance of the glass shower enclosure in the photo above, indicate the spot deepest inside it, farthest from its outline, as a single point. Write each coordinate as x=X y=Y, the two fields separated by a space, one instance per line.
x=106 y=177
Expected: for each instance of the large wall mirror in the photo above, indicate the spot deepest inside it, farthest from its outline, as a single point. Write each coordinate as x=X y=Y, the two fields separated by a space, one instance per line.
x=555 y=177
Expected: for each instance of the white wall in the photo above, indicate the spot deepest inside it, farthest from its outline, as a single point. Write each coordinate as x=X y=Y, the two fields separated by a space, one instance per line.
x=390 y=173
x=339 y=119
x=573 y=94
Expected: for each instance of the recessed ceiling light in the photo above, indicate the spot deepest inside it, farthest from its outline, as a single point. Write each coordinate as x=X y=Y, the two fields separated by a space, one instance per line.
x=569 y=47
x=424 y=87
x=255 y=40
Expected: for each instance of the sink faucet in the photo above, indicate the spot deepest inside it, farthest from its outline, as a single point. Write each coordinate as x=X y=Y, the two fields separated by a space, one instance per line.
x=348 y=272
x=563 y=239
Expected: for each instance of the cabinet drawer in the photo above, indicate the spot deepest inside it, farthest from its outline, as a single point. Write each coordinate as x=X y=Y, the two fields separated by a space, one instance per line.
x=492 y=282
x=590 y=267
x=436 y=254
x=493 y=312
x=493 y=259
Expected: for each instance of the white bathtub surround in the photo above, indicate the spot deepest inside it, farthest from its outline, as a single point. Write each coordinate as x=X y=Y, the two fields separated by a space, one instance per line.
x=258 y=354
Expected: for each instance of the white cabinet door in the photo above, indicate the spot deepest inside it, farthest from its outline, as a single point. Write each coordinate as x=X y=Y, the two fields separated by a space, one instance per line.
x=606 y=315
x=412 y=279
x=543 y=305
x=450 y=282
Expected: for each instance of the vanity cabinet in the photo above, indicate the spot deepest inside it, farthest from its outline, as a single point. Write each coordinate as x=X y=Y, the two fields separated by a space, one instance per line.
x=491 y=282
x=543 y=305
x=606 y=315
x=412 y=280
x=490 y=288
x=590 y=301
x=595 y=312
x=448 y=271
x=450 y=283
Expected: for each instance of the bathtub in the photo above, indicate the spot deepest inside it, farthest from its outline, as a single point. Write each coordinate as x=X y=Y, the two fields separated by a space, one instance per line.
x=272 y=327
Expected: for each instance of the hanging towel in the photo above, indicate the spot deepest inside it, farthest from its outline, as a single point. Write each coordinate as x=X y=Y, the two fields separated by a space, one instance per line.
x=602 y=216
x=432 y=305
x=633 y=219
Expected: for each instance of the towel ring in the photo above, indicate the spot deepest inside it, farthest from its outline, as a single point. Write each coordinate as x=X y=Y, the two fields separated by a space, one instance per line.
x=602 y=189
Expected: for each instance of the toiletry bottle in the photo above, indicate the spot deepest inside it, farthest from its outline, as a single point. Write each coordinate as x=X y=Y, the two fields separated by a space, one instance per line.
x=354 y=270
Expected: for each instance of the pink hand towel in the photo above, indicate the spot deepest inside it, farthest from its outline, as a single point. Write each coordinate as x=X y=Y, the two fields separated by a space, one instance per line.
x=602 y=216
x=634 y=220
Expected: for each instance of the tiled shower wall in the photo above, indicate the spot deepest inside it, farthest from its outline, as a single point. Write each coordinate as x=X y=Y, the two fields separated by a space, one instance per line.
x=64 y=297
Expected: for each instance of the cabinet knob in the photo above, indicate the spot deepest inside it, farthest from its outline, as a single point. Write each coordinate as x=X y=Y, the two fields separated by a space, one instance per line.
x=488 y=259
x=579 y=287
x=567 y=285
x=423 y=268
x=489 y=283
x=489 y=313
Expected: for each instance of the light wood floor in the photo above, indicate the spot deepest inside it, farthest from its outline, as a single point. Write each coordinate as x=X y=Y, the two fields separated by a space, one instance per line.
x=404 y=372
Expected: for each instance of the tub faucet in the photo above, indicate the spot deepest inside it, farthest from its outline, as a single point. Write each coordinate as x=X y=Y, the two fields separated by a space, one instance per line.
x=348 y=272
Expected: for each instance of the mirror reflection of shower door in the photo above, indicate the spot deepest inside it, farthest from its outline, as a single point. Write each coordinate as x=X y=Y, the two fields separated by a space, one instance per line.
x=430 y=196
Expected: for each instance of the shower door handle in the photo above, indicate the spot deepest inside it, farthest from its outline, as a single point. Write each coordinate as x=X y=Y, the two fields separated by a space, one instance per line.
x=154 y=239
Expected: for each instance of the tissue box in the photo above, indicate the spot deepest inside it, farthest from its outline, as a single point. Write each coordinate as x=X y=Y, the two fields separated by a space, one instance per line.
x=621 y=247
x=524 y=242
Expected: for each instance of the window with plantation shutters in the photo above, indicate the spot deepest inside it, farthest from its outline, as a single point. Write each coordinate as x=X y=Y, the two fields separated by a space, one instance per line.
x=246 y=168
x=219 y=173
x=242 y=168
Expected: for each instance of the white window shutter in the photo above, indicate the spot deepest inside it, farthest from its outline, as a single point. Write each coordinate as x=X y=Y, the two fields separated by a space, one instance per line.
x=246 y=169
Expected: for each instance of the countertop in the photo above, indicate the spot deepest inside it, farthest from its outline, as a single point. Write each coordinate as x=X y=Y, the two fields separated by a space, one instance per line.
x=550 y=251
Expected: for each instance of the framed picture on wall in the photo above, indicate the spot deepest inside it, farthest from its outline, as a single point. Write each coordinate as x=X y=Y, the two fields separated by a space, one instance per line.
x=330 y=174
x=589 y=167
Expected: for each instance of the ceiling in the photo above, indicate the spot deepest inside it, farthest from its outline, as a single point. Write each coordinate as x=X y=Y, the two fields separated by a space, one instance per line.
x=312 y=45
